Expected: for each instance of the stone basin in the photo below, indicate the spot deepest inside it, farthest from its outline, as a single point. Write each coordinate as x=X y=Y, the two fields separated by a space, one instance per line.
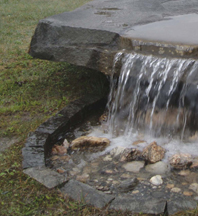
x=103 y=181
x=92 y=34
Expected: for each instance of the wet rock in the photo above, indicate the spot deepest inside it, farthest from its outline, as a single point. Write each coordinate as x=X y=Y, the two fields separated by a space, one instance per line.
x=181 y=161
x=156 y=180
x=130 y=154
x=192 y=178
x=80 y=191
x=184 y=172
x=158 y=168
x=194 y=164
x=92 y=143
x=153 y=153
x=82 y=178
x=175 y=190
x=194 y=187
x=66 y=143
x=134 y=166
x=59 y=150
x=103 y=118
x=187 y=193
x=170 y=186
x=127 y=185
x=117 y=151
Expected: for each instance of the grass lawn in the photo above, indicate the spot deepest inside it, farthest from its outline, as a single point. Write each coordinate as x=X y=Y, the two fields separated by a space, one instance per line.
x=31 y=91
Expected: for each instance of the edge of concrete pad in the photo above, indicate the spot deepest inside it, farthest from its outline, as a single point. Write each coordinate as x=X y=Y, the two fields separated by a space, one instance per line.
x=85 y=193
x=45 y=176
x=152 y=206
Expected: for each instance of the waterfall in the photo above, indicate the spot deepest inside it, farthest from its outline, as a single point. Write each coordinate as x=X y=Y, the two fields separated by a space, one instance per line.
x=155 y=95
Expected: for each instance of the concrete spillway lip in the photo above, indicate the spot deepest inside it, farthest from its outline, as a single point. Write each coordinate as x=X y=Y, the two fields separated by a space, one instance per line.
x=92 y=34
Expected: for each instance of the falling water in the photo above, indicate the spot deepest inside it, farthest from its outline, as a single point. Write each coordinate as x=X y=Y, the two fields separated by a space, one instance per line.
x=154 y=95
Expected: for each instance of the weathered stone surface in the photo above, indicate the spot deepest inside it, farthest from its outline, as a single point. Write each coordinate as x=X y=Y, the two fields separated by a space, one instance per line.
x=153 y=153
x=127 y=185
x=83 y=192
x=181 y=161
x=158 y=168
x=182 y=203
x=130 y=154
x=134 y=166
x=90 y=35
x=45 y=176
x=151 y=206
x=33 y=157
x=85 y=143
x=156 y=180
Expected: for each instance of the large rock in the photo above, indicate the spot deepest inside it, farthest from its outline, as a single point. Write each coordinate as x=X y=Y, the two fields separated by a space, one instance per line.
x=91 y=35
x=153 y=153
x=90 y=143
x=181 y=161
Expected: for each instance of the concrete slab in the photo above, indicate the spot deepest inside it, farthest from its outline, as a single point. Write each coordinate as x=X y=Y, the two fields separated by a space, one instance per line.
x=91 y=35
x=45 y=176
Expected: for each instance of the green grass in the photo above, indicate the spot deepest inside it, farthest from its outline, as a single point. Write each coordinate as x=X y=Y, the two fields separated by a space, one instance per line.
x=31 y=90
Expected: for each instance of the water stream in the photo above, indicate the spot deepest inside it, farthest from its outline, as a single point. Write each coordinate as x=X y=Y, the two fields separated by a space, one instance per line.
x=153 y=99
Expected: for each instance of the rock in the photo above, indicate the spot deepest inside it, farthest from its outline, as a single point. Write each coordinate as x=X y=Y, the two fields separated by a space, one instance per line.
x=194 y=187
x=103 y=118
x=134 y=166
x=184 y=172
x=59 y=150
x=127 y=185
x=187 y=193
x=117 y=151
x=60 y=170
x=158 y=168
x=192 y=178
x=130 y=154
x=194 y=164
x=66 y=143
x=83 y=192
x=65 y=158
x=175 y=190
x=135 y=192
x=170 y=186
x=156 y=180
x=153 y=153
x=82 y=178
x=181 y=161
x=93 y=143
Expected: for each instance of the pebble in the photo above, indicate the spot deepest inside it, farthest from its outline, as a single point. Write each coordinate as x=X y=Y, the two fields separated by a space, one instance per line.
x=187 y=193
x=170 y=186
x=156 y=180
x=82 y=178
x=176 y=190
x=184 y=172
x=135 y=191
